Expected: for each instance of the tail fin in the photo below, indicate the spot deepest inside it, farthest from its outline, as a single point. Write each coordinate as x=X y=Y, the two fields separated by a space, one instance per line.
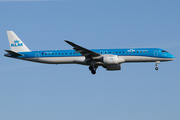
x=16 y=44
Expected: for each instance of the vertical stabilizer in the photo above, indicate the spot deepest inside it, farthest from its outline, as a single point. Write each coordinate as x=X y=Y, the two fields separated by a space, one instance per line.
x=16 y=44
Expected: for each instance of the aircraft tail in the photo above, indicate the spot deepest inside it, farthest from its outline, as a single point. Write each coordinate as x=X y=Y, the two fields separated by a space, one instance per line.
x=16 y=44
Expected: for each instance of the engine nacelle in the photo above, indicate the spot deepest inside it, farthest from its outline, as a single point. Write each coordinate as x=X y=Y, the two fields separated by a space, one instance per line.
x=113 y=67
x=111 y=59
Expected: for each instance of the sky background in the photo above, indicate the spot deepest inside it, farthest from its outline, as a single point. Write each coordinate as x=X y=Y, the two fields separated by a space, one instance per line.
x=34 y=91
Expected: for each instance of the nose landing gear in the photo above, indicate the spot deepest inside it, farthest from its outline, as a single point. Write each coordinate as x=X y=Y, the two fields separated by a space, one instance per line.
x=156 y=68
x=157 y=62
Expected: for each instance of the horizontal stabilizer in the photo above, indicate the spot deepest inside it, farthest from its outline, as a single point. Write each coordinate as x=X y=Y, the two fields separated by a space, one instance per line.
x=13 y=53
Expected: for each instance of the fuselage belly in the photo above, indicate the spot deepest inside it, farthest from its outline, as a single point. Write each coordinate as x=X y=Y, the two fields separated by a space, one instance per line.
x=82 y=59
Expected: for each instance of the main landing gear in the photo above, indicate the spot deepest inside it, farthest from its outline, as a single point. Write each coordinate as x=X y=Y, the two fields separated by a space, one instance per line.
x=157 y=62
x=92 y=69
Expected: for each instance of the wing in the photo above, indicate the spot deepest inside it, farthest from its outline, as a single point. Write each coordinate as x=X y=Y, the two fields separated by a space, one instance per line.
x=85 y=52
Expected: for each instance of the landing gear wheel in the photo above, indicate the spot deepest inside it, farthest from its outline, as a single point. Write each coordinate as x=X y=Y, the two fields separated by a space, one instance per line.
x=91 y=68
x=93 y=72
x=156 y=68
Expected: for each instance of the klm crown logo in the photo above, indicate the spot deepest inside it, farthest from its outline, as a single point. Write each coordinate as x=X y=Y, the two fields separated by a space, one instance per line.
x=16 y=44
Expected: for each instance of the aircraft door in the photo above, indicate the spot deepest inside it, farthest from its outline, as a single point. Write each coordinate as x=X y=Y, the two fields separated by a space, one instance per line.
x=37 y=55
x=155 y=53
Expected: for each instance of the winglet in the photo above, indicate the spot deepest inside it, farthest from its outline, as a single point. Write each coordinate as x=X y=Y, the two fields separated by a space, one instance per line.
x=72 y=44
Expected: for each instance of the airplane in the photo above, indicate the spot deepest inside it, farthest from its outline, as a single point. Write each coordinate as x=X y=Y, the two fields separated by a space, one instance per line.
x=110 y=59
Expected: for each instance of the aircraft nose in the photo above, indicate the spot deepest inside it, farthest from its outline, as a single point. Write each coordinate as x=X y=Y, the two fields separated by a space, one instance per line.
x=172 y=57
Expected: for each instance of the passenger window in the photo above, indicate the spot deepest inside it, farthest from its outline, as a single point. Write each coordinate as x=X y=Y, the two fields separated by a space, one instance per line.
x=45 y=53
x=130 y=52
x=109 y=52
x=112 y=52
x=55 y=53
x=140 y=51
x=123 y=52
x=119 y=52
x=144 y=51
x=66 y=53
x=134 y=52
x=52 y=53
x=147 y=51
x=62 y=53
x=42 y=53
x=116 y=52
x=105 y=52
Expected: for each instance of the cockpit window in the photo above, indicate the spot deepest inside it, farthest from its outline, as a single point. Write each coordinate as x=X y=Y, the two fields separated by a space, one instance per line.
x=163 y=51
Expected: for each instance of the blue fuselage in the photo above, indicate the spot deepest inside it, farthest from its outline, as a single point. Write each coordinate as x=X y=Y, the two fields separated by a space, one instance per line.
x=130 y=55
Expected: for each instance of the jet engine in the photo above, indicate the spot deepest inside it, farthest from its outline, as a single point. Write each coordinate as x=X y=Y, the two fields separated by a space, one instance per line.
x=111 y=59
x=113 y=67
